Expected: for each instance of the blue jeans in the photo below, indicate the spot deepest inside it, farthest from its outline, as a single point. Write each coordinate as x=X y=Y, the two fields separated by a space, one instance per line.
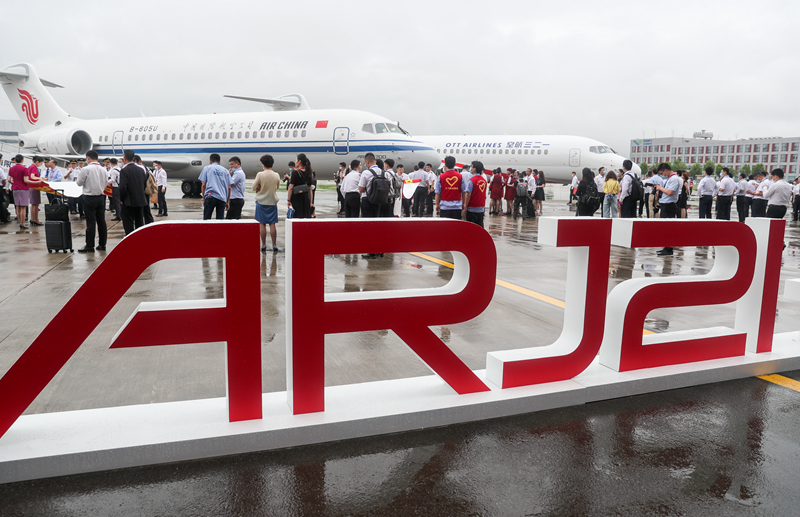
x=610 y=205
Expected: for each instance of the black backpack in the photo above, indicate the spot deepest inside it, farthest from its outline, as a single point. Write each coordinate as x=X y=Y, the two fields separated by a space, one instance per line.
x=522 y=189
x=592 y=198
x=637 y=188
x=379 y=189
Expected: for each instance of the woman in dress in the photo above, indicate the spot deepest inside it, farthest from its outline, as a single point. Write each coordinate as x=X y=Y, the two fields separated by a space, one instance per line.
x=511 y=192
x=610 y=189
x=300 y=188
x=538 y=196
x=496 y=193
x=683 y=197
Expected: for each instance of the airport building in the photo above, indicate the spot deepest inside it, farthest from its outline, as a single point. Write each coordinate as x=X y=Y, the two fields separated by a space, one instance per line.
x=772 y=152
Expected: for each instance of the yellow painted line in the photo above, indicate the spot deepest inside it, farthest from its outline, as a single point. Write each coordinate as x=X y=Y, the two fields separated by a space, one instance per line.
x=780 y=380
x=507 y=285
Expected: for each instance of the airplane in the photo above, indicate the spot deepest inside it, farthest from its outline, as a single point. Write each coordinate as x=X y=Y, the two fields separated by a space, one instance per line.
x=183 y=143
x=557 y=155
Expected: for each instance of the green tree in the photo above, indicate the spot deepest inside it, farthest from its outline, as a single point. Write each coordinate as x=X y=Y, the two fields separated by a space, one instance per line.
x=759 y=167
x=746 y=169
x=696 y=170
x=718 y=169
x=708 y=164
x=644 y=168
x=679 y=165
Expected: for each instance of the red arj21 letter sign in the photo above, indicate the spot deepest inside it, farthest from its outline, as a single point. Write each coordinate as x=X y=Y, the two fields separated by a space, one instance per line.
x=746 y=270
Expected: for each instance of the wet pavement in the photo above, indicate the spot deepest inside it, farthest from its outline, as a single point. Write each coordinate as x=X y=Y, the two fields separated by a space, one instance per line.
x=721 y=449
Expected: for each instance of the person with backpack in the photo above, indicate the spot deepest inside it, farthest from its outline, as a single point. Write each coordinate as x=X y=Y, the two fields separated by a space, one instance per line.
x=394 y=193
x=374 y=186
x=611 y=191
x=589 y=198
x=521 y=199
x=631 y=191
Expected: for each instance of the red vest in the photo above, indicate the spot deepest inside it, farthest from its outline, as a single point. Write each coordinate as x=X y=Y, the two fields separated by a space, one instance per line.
x=451 y=186
x=478 y=197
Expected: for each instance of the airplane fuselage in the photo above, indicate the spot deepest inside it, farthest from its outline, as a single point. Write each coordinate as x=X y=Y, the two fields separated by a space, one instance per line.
x=184 y=143
x=557 y=155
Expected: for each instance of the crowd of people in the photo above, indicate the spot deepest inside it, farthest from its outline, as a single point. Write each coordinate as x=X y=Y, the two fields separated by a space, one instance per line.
x=373 y=188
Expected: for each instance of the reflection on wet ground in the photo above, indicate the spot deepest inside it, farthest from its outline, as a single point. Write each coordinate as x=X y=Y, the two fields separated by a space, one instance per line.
x=724 y=449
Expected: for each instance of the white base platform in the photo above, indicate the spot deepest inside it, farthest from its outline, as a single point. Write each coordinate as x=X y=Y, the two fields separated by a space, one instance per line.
x=57 y=444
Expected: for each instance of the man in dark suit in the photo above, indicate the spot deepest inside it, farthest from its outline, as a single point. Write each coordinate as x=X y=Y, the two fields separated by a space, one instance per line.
x=132 y=182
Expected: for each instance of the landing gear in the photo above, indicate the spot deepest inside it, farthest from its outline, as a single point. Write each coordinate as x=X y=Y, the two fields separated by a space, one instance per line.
x=191 y=188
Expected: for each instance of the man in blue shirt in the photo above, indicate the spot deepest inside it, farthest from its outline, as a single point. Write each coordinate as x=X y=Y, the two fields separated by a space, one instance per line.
x=216 y=188
x=237 y=189
x=669 y=198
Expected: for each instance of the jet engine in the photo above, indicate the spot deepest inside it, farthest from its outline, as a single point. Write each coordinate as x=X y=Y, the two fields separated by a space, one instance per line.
x=65 y=141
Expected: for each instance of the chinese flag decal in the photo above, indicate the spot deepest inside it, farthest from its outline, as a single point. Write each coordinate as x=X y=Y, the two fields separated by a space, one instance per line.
x=322 y=124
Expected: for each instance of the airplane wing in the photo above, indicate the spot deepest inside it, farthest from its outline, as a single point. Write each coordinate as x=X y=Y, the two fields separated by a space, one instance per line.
x=280 y=103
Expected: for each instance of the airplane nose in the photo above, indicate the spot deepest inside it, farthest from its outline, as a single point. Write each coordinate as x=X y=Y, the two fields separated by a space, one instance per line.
x=637 y=169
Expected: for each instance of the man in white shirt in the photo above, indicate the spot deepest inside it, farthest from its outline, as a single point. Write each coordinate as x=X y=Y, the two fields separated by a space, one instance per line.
x=421 y=194
x=352 y=197
x=778 y=196
x=725 y=195
x=600 y=179
x=236 y=199
x=431 y=177
x=759 y=208
x=741 y=192
x=389 y=210
x=706 y=190
x=94 y=178
x=627 y=203
x=161 y=183
x=405 y=203
x=796 y=200
x=572 y=186
x=113 y=178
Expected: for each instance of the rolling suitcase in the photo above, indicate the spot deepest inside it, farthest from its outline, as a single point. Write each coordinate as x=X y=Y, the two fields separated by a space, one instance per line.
x=58 y=235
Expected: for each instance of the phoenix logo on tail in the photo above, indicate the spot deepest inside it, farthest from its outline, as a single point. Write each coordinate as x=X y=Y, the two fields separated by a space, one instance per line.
x=30 y=106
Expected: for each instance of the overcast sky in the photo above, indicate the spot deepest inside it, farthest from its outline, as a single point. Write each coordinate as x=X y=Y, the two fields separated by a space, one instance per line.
x=611 y=70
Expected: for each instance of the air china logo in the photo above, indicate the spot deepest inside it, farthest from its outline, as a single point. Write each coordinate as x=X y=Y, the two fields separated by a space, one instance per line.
x=30 y=106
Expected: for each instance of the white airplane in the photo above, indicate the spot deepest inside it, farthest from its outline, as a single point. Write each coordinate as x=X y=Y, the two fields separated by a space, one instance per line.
x=557 y=155
x=183 y=143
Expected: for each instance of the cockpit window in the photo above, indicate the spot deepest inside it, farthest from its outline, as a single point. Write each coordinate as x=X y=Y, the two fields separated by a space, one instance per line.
x=367 y=128
x=394 y=129
x=380 y=127
x=593 y=149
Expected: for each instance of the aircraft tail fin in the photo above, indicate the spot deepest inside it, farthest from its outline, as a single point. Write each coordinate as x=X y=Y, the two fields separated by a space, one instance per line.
x=34 y=104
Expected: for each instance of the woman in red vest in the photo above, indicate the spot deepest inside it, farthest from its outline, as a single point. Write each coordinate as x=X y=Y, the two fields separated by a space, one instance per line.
x=511 y=191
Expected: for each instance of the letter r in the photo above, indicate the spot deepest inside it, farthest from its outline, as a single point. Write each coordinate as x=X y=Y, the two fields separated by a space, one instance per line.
x=310 y=313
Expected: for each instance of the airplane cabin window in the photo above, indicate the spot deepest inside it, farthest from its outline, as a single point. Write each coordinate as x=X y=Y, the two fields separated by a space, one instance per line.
x=512 y=151
x=439 y=151
x=158 y=136
x=247 y=134
x=188 y=136
x=263 y=133
x=303 y=134
x=294 y=133
x=545 y=151
x=506 y=151
x=224 y=135
x=151 y=137
x=470 y=151
x=216 y=135
x=195 y=136
x=239 y=134
x=180 y=137
x=137 y=138
x=367 y=128
x=129 y=138
x=270 y=135
x=173 y=136
x=380 y=127
x=526 y=151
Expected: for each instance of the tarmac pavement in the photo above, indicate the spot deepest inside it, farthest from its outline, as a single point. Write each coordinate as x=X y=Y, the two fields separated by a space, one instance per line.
x=727 y=448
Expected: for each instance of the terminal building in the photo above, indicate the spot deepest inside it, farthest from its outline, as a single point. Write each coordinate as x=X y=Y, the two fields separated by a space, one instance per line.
x=772 y=152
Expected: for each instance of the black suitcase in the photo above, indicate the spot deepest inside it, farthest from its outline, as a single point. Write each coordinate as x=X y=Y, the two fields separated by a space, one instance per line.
x=58 y=235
